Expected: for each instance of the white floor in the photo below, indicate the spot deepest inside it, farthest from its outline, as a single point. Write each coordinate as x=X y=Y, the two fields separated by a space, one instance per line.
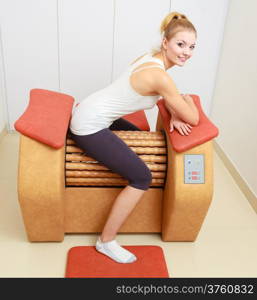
x=226 y=245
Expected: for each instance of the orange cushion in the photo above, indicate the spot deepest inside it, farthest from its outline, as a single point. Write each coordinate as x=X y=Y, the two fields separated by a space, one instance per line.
x=139 y=119
x=203 y=132
x=86 y=262
x=46 y=118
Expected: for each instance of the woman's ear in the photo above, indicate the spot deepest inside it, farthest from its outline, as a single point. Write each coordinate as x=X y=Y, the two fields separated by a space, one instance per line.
x=164 y=43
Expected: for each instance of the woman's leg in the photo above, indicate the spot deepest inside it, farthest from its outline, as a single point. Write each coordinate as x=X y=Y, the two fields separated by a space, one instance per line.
x=121 y=209
x=107 y=148
x=110 y=150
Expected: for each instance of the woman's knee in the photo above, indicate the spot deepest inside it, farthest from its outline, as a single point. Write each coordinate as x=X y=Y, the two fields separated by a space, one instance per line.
x=142 y=180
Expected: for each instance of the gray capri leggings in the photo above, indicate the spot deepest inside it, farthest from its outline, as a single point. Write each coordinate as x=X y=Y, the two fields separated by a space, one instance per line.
x=107 y=148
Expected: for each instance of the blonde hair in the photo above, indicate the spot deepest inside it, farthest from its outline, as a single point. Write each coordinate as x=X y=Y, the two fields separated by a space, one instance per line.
x=173 y=23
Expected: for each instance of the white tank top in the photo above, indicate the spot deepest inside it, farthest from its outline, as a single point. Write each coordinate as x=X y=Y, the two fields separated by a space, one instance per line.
x=100 y=109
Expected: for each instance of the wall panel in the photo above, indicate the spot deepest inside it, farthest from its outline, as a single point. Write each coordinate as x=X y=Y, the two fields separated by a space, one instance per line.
x=86 y=42
x=199 y=73
x=29 y=37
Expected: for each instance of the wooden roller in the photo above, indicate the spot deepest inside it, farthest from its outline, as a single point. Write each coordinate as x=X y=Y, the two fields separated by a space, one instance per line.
x=146 y=158
x=98 y=166
x=138 y=150
x=84 y=170
x=105 y=181
x=136 y=143
x=145 y=135
x=85 y=174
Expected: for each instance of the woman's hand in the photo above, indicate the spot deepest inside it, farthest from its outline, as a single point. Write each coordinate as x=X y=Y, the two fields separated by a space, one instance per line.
x=182 y=127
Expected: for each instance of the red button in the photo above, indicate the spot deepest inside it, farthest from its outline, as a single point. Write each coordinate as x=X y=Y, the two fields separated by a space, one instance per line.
x=194 y=177
x=195 y=173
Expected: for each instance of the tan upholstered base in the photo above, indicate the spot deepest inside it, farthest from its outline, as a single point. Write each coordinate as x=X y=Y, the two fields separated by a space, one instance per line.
x=87 y=208
x=65 y=191
x=185 y=205
x=41 y=186
x=58 y=194
x=177 y=210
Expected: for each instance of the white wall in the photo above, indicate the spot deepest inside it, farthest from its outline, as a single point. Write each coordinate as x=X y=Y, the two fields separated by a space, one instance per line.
x=198 y=75
x=30 y=50
x=85 y=45
x=235 y=97
x=3 y=121
x=80 y=46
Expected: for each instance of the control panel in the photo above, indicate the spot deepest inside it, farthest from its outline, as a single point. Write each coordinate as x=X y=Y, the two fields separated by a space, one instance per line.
x=194 y=168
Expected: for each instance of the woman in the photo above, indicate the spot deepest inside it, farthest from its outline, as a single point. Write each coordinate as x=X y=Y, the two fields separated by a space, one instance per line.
x=138 y=88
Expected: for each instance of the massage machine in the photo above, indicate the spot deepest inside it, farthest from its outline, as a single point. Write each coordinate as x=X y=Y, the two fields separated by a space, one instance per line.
x=62 y=190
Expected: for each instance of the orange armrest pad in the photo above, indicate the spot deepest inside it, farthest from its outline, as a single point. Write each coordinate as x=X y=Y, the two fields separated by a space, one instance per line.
x=203 y=132
x=46 y=118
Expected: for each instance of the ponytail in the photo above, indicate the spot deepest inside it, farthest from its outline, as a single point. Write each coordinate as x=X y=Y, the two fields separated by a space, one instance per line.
x=171 y=17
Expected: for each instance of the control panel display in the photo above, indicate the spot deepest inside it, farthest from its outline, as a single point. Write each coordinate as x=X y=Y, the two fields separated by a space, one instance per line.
x=194 y=168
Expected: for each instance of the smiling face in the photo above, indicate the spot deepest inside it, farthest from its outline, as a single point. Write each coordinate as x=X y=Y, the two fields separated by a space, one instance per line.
x=180 y=47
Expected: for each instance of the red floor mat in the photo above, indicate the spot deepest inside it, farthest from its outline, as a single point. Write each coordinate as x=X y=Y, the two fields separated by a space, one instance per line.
x=86 y=262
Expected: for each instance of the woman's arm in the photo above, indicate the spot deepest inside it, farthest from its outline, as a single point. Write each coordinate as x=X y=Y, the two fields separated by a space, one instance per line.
x=172 y=112
x=176 y=123
x=189 y=100
x=183 y=107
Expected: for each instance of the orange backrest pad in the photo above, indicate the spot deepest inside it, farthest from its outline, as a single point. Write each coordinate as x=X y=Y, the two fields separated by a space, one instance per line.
x=138 y=119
